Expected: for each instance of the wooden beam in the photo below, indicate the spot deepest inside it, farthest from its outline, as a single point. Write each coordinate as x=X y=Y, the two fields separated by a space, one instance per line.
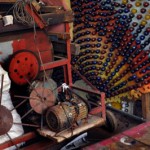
x=7 y=1
x=56 y=18
x=59 y=35
x=51 y=9
x=92 y=121
x=60 y=48
x=146 y=106
x=49 y=18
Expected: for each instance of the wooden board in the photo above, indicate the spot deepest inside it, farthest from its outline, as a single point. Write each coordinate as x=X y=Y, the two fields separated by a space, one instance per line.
x=136 y=138
x=146 y=106
x=7 y=1
x=51 y=9
x=60 y=48
x=93 y=121
x=49 y=18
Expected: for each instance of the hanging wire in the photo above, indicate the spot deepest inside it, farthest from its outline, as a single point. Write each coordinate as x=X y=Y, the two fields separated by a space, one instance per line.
x=11 y=8
x=23 y=17
x=20 y=14
x=37 y=48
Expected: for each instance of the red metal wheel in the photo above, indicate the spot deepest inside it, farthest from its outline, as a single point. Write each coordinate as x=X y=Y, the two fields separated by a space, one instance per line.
x=24 y=66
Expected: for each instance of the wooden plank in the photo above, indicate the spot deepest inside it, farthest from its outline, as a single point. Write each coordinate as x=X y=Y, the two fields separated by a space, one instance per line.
x=93 y=121
x=146 y=106
x=63 y=36
x=61 y=48
x=135 y=138
x=56 y=18
x=51 y=9
x=7 y=1
x=49 y=18
x=10 y=28
x=141 y=133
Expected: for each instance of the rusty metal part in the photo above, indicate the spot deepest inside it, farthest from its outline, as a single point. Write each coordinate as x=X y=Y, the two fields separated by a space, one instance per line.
x=34 y=14
x=24 y=65
x=26 y=124
x=6 y=120
x=111 y=121
x=23 y=138
x=64 y=115
x=41 y=98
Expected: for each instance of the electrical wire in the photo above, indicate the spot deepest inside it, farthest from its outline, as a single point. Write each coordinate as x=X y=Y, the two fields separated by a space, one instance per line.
x=21 y=15
x=37 y=48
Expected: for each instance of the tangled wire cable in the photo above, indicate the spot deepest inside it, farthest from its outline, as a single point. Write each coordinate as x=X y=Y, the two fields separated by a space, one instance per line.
x=20 y=14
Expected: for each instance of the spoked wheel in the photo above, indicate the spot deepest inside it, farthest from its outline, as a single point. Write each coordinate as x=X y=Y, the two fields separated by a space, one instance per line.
x=24 y=67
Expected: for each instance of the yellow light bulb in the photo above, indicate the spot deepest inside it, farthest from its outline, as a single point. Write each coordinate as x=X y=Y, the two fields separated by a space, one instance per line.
x=134 y=11
x=137 y=4
x=147 y=17
x=143 y=22
x=124 y=1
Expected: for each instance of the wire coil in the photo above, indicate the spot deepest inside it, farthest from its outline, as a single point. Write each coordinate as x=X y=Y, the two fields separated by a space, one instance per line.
x=21 y=15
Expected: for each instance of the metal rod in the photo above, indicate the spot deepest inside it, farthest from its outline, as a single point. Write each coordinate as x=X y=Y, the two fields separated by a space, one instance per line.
x=85 y=90
x=42 y=120
x=30 y=111
x=2 y=79
x=26 y=113
x=12 y=141
x=28 y=125
x=41 y=98
x=84 y=79
x=18 y=96
x=95 y=104
x=127 y=114
x=19 y=104
x=26 y=97
x=32 y=87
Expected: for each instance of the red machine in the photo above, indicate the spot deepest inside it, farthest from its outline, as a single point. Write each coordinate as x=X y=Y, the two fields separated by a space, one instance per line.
x=31 y=53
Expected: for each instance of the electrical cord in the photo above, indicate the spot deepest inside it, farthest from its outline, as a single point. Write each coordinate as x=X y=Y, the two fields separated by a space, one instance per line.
x=20 y=14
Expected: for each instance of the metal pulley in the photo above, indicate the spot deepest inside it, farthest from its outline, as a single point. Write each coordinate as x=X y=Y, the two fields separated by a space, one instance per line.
x=48 y=84
x=66 y=114
x=24 y=66
x=41 y=98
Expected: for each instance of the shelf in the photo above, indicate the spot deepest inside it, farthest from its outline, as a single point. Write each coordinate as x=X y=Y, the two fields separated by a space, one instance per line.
x=91 y=122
